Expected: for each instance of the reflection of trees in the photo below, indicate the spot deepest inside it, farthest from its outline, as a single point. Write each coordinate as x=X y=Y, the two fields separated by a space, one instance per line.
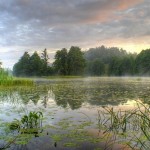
x=73 y=95
x=46 y=96
x=67 y=96
x=41 y=93
x=33 y=94
x=28 y=95
x=45 y=99
x=107 y=93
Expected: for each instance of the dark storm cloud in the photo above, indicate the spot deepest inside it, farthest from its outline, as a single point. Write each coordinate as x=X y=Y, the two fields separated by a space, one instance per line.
x=36 y=24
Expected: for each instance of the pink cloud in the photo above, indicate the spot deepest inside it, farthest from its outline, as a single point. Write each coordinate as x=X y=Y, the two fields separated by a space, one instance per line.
x=107 y=10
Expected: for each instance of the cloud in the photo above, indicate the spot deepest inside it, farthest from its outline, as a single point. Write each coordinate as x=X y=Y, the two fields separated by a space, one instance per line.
x=38 y=24
x=58 y=12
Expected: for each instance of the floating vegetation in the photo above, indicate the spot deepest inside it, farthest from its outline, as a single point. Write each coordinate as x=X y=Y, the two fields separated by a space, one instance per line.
x=70 y=113
x=70 y=144
x=27 y=127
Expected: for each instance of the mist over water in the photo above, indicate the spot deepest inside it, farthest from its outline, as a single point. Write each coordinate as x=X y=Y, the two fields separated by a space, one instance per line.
x=75 y=99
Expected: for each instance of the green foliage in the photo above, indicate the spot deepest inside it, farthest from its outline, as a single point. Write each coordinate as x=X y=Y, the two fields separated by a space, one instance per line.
x=22 y=82
x=60 y=63
x=45 y=57
x=76 y=61
x=114 y=62
x=96 y=62
x=28 y=126
x=22 y=67
x=33 y=65
x=69 y=63
x=143 y=63
x=15 y=125
x=46 y=70
x=8 y=80
x=30 y=123
x=4 y=77
x=104 y=54
x=95 y=67
x=114 y=68
x=122 y=66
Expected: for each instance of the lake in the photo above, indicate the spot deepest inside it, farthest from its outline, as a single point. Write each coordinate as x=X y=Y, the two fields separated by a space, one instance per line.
x=70 y=108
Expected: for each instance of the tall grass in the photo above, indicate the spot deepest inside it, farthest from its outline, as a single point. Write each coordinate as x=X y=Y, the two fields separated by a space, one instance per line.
x=8 y=80
x=131 y=127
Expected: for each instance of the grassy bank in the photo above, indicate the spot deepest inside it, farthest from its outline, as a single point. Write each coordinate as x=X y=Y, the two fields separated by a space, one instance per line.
x=8 y=80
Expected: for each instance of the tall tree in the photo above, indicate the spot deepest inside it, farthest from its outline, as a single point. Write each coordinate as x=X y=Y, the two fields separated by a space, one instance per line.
x=96 y=67
x=60 y=63
x=143 y=62
x=76 y=61
x=35 y=65
x=21 y=68
x=45 y=59
x=127 y=65
x=114 y=67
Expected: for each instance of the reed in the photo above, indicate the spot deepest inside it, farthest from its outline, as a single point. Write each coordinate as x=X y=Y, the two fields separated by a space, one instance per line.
x=131 y=127
x=8 y=80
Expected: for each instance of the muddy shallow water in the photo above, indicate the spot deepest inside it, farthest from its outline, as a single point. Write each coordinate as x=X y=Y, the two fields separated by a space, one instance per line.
x=70 y=108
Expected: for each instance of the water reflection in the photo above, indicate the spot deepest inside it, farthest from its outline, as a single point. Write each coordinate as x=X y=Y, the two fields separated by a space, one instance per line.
x=74 y=100
x=74 y=94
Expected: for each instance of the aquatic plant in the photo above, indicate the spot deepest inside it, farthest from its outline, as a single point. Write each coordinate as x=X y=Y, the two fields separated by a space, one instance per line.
x=132 y=126
x=30 y=123
x=27 y=126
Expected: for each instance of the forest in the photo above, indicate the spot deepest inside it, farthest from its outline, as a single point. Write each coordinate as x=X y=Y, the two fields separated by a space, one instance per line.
x=99 y=61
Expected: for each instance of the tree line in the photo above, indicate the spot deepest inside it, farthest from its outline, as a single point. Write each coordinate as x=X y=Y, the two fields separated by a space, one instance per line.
x=100 y=61
x=33 y=65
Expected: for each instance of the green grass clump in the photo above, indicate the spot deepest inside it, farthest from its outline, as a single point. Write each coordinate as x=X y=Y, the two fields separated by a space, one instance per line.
x=23 y=81
x=30 y=123
x=8 y=80
x=5 y=78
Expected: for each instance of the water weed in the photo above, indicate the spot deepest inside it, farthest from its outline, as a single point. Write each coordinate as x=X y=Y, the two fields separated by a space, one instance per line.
x=132 y=126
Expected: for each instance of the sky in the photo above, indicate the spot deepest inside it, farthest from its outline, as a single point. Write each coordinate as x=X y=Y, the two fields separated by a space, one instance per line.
x=33 y=25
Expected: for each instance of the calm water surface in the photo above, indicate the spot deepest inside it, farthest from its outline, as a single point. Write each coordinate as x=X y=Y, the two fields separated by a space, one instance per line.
x=67 y=104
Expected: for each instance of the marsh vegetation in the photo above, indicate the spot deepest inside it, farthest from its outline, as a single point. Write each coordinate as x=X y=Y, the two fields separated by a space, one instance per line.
x=73 y=108
x=8 y=80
